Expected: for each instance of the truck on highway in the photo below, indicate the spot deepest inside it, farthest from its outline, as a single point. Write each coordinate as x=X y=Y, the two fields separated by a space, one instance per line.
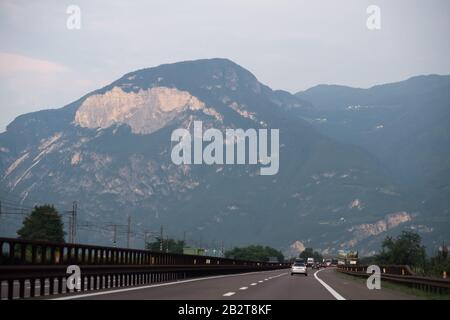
x=310 y=262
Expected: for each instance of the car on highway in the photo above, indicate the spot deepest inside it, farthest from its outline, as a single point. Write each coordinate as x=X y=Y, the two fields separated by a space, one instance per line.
x=299 y=268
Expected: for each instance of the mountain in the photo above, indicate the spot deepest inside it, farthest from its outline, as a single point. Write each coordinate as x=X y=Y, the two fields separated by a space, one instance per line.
x=406 y=125
x=111 y=152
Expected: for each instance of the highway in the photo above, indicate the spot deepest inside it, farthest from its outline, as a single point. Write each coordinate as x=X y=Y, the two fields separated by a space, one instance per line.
x=325 y=284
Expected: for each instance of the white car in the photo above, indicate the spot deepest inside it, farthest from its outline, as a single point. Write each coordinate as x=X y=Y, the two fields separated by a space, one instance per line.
x=299 y=268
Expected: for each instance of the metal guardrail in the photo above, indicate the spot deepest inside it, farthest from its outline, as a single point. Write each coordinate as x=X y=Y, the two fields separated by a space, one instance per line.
x=31 y=268
x=385 y=269
x=402 y=275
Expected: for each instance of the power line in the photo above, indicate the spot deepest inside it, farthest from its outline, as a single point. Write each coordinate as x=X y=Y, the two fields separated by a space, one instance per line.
x=8 y=205
x=18 y=201
x=115 y=235
x=14 y=210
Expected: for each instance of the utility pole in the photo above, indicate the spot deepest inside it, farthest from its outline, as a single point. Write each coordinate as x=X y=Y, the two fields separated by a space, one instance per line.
x=74 y=221
x=128 y=231
x=222 y=249
x=114 y=232
x=146 y=233
x=70 y=229
x=115 y=235
x=161 y=239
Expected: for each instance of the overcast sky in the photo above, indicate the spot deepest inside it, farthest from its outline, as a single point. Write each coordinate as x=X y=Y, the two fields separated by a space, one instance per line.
x=290 y=45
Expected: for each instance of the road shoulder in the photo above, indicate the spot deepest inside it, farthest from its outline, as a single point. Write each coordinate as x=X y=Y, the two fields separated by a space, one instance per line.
x=355 y=288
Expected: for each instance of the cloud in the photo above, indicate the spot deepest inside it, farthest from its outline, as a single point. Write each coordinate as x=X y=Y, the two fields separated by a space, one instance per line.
x=10 y=63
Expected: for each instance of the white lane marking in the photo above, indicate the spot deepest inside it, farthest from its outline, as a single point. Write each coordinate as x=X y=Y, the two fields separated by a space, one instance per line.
x=336 y=295
x=228 y=294
x=281 y=274
x=243 y=288
x=260 y=281
x=253 y=284
x=154 y=286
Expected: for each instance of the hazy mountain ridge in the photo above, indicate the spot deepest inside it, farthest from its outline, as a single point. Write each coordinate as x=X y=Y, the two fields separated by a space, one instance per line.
x=114 y=170
x=405 y=124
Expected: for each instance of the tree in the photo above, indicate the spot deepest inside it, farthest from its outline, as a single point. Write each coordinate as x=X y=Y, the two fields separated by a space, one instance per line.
x=440 y=263
x=310 y=253
x=44 y=223
x=170 y=245
x=406 y=249
x=254 y=253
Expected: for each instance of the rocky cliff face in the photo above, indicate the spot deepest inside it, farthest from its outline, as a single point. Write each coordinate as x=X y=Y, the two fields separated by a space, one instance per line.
x=144 y=111
x=110 y=151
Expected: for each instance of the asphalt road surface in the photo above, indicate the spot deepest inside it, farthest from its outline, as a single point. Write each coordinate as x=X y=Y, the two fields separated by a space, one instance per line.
x=325 y=284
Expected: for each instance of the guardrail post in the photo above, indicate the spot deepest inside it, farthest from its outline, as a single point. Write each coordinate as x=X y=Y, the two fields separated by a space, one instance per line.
x=21 y=288
x=52 y=285
x=52 y=255
x=77 y=255
x=44 y=255
x=42 y=287
x=23 y=248
x=32 y=287
x=12 y=251
x=61 y=255
x=10 y=289
x=68 y=257
x=60 y=284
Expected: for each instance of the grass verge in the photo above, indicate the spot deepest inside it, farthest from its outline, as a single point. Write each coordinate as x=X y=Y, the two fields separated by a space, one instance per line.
x=421 y=294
